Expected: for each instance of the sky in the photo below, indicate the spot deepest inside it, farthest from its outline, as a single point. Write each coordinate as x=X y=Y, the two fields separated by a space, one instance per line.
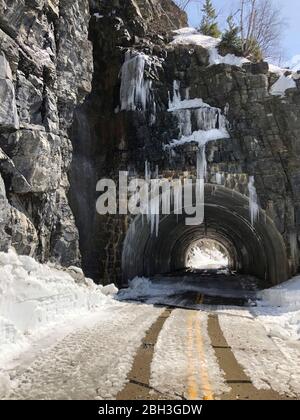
x=290 y=12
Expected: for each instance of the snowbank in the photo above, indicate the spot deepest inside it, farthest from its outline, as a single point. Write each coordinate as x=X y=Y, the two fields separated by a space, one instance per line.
x=33 y=296
x=190 y=36
x=285 y=294
x=278 y=309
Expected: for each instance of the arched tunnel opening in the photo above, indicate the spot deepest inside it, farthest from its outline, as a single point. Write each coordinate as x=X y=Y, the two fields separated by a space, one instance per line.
x=252 y=249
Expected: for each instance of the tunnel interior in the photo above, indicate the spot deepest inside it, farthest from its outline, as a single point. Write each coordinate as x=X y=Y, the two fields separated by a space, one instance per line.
x=257 y=250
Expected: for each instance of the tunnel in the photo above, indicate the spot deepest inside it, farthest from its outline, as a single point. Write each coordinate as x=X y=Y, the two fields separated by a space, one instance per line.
x=255 y=249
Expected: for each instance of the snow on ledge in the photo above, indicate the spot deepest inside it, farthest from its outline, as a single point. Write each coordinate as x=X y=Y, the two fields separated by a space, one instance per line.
x=280 y=87
x=201 y=137
x=190 y=36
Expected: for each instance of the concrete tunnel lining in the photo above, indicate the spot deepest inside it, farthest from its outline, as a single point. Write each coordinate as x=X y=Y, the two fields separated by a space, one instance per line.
x=258 y=250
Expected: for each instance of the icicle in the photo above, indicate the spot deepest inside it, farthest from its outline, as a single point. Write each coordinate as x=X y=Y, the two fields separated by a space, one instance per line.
x=253 y=205
x=294 y=246
x=173 y=102
x=201 y=163
x=219 y=178
x=134 y=91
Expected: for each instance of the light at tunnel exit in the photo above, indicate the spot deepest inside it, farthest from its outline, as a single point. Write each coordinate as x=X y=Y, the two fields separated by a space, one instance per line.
x=207 y=254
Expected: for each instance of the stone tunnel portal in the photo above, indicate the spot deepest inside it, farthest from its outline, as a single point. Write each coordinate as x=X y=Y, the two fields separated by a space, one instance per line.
x=257 y=250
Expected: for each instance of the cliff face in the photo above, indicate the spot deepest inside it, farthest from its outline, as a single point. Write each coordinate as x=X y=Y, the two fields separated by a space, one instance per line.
x=45 y=72
x=111 y=133
x=47 y=65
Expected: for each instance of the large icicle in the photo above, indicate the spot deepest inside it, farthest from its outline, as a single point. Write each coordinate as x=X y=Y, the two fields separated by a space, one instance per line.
x=253 y=204
x=135 y=90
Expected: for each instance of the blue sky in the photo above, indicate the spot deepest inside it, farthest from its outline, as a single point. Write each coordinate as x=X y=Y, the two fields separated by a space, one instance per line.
x=290 y=11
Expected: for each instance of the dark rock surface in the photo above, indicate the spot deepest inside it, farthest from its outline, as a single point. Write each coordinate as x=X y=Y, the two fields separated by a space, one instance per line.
x=264 y=131
x=45 y=72
x=60 y=64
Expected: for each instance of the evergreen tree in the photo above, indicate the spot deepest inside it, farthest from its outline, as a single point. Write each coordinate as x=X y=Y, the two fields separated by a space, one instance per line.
x=231 y=41
x=209 y=25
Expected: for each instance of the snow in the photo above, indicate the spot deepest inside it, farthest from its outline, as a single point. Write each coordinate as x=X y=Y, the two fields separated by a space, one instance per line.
x=167 y=290
x=180 y=354
x=34 y=297
x=268 y=343
x=253 y=205
x=91 y=362
x=201 y=137
x=283 y=83
x=190 y=36
x=285 y=294
x=206 y=258
x=268 y=363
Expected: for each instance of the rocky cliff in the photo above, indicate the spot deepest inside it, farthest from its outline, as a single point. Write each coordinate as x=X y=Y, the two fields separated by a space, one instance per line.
x=46 y=69
x=45 y=72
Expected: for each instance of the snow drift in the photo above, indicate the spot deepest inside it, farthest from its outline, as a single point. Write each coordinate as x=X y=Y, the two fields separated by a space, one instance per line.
x=33 y=296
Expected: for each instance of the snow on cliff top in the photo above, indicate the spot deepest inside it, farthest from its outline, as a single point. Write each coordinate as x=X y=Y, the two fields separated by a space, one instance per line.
x=190 y=36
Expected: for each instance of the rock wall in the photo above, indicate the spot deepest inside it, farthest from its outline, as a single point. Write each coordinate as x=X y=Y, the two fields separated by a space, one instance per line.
x=264 y=129
x=65 y=120
x=45 y=73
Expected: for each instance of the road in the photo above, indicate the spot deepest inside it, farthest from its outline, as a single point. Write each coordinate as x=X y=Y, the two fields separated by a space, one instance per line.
x=140 y=351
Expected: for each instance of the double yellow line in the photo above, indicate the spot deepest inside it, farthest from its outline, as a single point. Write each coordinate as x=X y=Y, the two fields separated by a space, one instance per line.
x=195 y=340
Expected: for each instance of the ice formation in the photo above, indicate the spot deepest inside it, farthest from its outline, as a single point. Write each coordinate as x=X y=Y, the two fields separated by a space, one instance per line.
x=198 y=122
x=219 y=178
x=253 y=204
x=135 y=90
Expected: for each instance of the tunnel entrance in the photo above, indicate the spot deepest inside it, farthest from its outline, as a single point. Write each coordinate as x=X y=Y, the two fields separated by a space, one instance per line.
x=208 y=254
x=256 y=250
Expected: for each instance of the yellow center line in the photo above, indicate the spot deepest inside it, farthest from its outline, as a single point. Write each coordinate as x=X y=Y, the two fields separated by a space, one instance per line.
x=192 y=384
x=197 y=341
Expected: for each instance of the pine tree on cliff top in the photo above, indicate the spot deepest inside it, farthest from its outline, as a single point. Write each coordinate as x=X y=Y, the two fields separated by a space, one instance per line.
x=209 y=25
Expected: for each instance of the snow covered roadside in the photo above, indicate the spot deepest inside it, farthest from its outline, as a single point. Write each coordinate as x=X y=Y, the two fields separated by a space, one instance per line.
x=36 y=299
x=278 y=309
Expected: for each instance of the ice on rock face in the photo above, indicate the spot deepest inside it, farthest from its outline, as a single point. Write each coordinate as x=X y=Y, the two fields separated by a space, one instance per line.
x=253 y=204
x=219 y=178
x=197 y=121
x=201 y=163
x=135 y=90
